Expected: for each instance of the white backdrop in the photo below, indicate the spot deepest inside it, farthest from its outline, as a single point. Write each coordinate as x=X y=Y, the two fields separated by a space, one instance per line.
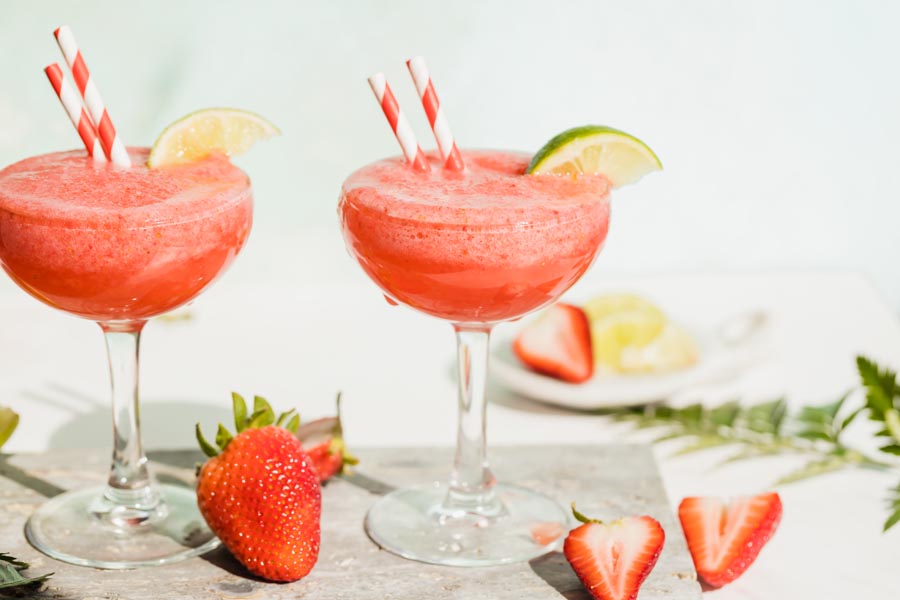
x=777 y=122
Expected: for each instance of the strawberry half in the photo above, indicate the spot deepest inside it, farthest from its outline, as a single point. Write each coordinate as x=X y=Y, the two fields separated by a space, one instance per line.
x=558 y=343
x=725 y=539
x=613 y=559
x=260 y=494
x=323 y=440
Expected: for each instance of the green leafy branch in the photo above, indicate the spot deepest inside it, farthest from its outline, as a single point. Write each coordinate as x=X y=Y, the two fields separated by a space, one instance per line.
x=769 y=429
x=11 y=576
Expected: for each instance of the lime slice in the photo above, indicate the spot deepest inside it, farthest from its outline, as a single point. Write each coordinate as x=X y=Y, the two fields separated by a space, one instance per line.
x=621 y=323
x=596 y=150
x=226 y=130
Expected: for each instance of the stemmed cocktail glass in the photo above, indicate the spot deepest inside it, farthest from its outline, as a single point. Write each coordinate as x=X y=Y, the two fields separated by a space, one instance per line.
x=120 y=246
x=474 y=248
x=471 y=239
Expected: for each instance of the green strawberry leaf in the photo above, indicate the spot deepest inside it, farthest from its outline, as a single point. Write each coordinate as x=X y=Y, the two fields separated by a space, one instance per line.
x=239 y=406
x=262 y=413
x=283 y=417
x=223 y=437
x=294 y=424
x=208 y=449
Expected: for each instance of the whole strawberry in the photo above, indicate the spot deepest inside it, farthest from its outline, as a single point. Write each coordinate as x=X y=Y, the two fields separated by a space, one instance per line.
x=259 y=493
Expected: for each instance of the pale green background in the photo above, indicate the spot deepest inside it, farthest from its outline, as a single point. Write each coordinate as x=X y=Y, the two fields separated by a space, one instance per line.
x=777 y=121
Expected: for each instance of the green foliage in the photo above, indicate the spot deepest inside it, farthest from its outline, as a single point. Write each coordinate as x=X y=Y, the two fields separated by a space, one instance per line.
x=894 y=507
x=11 y=576
x=767 y=429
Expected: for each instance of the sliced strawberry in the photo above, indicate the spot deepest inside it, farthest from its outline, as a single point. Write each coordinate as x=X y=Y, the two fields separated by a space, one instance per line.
x=558 y=343
x=613 y=559
x=725 y=539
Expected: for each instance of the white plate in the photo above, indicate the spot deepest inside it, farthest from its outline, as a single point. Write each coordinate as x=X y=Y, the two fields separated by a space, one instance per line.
x=725 y=351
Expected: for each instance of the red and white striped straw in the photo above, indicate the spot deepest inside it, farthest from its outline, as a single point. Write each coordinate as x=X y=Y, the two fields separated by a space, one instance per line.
x=72 y=103
x=111 y=143
x=439 y=125
x=399 y=125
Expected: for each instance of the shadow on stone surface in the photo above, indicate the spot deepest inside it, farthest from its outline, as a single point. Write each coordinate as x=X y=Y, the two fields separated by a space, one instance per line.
x=166 y=423
x=14 y=473
x=555 y=570
x=373 y=486
x=248 y=585
x=180 y=459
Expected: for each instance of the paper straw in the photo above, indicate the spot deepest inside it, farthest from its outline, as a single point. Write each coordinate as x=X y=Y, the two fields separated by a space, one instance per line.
x=439 y=125
x=399 y=125
x=72 y=103
x=111 y=143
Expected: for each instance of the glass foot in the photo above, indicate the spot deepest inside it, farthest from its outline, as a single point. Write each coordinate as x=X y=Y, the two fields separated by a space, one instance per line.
x=414 y=524
x=70 y=528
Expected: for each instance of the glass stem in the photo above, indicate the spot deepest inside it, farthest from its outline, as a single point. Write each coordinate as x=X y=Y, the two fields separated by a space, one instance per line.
x=130 y=491
x=471 y=486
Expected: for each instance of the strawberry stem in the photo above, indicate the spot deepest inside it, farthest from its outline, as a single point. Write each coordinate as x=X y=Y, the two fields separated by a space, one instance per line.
x=338 y=446
x=583 y=519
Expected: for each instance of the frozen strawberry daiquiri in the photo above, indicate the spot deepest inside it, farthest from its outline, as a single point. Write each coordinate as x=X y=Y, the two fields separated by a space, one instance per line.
x=477 y=238
x=485 y=246
x=474 y=248
x=113 y=244
x=119 y=244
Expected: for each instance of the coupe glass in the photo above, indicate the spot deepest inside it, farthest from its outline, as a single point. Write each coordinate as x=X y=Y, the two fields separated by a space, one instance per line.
x=474 y=249
x=120 y=246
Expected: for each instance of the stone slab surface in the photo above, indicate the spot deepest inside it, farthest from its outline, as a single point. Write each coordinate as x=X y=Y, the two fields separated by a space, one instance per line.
x=605 y=480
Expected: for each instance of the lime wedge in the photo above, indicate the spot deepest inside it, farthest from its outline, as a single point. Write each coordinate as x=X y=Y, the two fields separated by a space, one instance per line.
x=226 y=130
x=596 y=150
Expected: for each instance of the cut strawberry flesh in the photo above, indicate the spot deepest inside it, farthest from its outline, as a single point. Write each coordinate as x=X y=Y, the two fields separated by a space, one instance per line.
x=725 y=539
x=613 y=560
x=558 y=343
